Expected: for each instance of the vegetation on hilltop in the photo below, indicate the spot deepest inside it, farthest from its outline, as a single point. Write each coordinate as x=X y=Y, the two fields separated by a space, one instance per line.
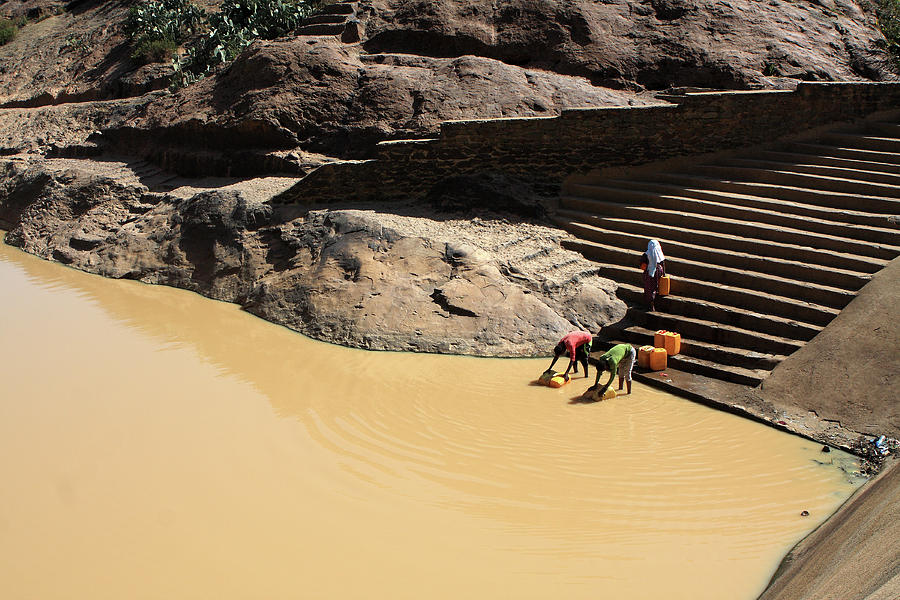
x=889 y=22
x=159 y=28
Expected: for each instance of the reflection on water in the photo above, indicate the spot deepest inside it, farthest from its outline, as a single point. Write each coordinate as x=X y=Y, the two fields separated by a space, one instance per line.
x=156 y=444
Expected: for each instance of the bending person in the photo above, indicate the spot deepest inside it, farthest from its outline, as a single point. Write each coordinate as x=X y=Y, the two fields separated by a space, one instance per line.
x=655 y=262
x=619 y=360
x=578 y=345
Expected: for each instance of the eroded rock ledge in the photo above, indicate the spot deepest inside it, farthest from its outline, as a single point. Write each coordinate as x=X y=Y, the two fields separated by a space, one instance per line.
x=386 y=277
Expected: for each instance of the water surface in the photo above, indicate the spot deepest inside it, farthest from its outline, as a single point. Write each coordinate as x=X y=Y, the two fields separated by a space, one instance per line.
x=155 y=444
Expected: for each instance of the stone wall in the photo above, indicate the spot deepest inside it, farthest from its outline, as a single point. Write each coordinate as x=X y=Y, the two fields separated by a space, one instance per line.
x=546 y=150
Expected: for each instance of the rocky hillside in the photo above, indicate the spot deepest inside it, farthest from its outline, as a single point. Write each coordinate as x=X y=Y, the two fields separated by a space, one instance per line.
x=309 y=97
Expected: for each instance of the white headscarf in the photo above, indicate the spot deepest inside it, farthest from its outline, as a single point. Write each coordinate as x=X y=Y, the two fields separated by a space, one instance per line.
x=655 y=256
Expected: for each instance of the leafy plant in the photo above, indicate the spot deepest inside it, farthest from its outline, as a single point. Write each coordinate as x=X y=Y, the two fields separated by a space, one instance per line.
x=211 y=39
x=888 y=14
x=154 y=51
x=158 y=28
x=8 y=31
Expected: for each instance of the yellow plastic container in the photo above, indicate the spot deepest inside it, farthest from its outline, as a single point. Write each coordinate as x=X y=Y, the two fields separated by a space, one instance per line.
x=658 y=359
x=669 y=340
x=644 y=356
x=558 y=381
x=665 y=285
x=659 y=338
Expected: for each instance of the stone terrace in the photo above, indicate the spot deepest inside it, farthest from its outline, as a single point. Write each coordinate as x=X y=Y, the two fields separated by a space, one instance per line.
x=765 y=247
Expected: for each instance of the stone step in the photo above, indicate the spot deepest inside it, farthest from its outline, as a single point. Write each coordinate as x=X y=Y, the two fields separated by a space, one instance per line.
x=689 y=364
x=327 y=18
x=826 y=160
x=701 y=271
x=840 y=200
x=338 y=8
x=686 y=363
x=738 y=228
x=787 y=177
x=842 y=152
x=321 y=29
x=721 y=313
x=765 y=302
x=882 y=129
x=878 y=229
x=715 y=333
x=844 y=172
x=861 y=141
x=614 y=232
x=724 y=355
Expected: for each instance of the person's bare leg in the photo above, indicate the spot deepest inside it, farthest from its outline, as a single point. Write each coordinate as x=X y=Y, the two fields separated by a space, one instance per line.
x=621 y=379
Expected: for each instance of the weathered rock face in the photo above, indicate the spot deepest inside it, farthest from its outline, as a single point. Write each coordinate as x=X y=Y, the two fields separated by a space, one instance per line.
x=325 y=96
x=651 y=43
x=374 y=280
x=78 y=52
x=419 y=63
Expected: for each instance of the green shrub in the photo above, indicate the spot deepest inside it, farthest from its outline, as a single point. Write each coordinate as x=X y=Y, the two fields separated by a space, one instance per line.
x=211 y=39
x=888 y=14
x=8 y=31
x=154 y=51
x=173 y=20
x=233 y=28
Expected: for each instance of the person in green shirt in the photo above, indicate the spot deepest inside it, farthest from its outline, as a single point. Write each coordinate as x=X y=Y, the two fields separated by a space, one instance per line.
x=618 y=360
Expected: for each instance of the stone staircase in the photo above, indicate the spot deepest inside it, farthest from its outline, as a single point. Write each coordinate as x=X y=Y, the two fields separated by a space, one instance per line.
x=337 y=18
x=764 y=247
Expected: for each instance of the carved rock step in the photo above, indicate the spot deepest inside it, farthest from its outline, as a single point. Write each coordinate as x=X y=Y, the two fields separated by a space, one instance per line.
x=615 y=232
x=721 y=313
x=321 y=29
x=709 y=291
x=883 y=129
x=782 y=209
x=843 y=152
x=737 y=227
x=744 y=207
x=339 y=8
x=857 y=173
x=332 y=18
x=826 y=160
x=629 y=200
x=861 y=141
x=785 y=176
x=715 y=333
x=853 y=201
x=701 y=271
x=725 y=355
x=699 y=366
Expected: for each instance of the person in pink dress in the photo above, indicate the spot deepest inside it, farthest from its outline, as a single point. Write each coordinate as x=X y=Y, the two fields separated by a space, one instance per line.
x=578 y=346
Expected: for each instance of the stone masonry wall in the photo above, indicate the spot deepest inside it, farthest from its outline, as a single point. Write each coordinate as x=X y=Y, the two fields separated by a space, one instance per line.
x=546 y=150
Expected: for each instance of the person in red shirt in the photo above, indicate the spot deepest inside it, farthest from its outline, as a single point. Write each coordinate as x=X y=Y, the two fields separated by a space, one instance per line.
x=578 y=345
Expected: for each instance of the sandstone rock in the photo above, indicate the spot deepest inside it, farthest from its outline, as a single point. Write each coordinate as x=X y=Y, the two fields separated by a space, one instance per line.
x=382 y=279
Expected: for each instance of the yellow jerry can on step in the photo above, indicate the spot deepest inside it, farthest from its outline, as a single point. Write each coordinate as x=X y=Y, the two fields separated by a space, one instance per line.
x=644 y=356
x=669 y=340
x=665 y=284
x=658 y=359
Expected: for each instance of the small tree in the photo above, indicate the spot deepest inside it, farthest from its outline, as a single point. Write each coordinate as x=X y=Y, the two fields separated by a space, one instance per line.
x=8 y=31
x=888 y=14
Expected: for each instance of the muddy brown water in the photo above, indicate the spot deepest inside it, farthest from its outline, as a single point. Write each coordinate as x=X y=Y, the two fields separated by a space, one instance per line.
x=155 y=444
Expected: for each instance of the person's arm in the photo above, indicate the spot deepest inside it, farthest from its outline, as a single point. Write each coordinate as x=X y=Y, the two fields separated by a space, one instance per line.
x=612 y=376
x=600 y=366
x=555 y=358
x=569 y=368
